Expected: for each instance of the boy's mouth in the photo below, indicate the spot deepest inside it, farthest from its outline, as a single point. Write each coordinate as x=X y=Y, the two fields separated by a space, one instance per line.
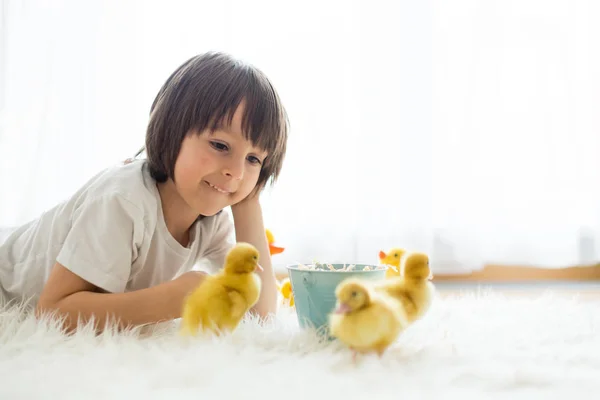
x=218 y=189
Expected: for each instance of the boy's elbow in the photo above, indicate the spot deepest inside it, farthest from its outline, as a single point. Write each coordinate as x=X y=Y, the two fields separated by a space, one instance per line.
x=48 y=306
x=50 y=311
x=45 y=308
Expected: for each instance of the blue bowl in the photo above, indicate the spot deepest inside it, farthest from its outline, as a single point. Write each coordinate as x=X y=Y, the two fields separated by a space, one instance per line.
x=314 y=291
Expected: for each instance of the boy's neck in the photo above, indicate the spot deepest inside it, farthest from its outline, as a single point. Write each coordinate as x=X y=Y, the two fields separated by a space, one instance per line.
x=177 y=214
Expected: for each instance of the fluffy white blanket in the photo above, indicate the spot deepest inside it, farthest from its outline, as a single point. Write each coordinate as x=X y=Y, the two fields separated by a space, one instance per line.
x=480 y=345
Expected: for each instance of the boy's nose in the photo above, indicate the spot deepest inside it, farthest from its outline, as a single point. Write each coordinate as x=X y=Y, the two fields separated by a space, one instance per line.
x=234 y=169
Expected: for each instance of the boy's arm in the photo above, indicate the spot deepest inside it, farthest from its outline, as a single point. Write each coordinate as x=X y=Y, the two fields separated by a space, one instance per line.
x=72 y=297
x=249 y=228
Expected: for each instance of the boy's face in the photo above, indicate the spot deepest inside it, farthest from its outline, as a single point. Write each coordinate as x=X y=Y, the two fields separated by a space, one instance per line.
x=219 y=169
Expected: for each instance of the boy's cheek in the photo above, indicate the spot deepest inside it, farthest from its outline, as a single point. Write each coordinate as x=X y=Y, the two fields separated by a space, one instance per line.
x=192 y=169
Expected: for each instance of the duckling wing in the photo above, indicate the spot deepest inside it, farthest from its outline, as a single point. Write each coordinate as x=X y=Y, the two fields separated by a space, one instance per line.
x=238 y=304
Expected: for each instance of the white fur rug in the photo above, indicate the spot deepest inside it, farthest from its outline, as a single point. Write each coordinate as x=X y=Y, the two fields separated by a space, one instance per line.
x=474 y=345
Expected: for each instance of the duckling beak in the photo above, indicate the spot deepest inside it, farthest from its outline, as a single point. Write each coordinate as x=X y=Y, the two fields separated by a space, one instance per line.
x=342 y=308
x=381 y=255
x=275 y=249
x=258 y=267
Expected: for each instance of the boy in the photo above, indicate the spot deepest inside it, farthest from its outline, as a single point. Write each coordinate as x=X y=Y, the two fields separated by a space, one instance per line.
x=124 y=245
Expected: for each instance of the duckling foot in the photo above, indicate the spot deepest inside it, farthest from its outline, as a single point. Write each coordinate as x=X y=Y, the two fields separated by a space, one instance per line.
x=354 y=355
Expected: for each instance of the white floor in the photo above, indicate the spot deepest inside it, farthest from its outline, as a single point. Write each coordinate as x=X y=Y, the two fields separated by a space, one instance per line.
x=478 y=345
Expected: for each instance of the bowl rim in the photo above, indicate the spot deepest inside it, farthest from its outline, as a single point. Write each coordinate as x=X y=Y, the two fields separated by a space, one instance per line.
x=294 y=267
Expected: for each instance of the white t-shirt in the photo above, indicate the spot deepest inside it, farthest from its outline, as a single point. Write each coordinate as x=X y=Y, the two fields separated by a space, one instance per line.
x=111 y=233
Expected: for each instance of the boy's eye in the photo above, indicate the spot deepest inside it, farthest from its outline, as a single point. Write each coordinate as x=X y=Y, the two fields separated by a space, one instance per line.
x=219 y=146
x=254 y=160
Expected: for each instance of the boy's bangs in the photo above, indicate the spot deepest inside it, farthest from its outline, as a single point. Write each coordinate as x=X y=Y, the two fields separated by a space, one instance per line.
x=263 y=120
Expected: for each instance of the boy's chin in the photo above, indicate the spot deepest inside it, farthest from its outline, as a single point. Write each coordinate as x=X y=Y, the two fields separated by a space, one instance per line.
x=209 y=212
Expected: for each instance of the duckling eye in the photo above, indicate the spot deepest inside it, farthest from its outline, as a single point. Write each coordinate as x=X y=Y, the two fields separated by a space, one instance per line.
x=354 y=294
x=396 y=255
x=255 y=258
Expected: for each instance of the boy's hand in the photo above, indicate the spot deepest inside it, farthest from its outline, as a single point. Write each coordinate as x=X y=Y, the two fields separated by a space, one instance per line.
x=189 y=281
x=253 y=197
x=249 y=228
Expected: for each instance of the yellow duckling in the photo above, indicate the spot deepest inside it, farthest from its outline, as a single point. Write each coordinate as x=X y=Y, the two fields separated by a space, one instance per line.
x=393 y=258
x=365 y=320
x=414 y=289
x=220 y=302
x=285 y=287
x=273 y=249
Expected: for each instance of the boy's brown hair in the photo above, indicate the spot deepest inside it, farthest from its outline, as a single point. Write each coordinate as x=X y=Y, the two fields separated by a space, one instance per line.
x=205 y=91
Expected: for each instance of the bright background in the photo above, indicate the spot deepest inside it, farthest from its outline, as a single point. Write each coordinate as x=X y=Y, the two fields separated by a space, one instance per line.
x=466 y=129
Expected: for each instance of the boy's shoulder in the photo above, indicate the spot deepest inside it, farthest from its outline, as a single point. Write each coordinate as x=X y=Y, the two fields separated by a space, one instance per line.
x=131 y=182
